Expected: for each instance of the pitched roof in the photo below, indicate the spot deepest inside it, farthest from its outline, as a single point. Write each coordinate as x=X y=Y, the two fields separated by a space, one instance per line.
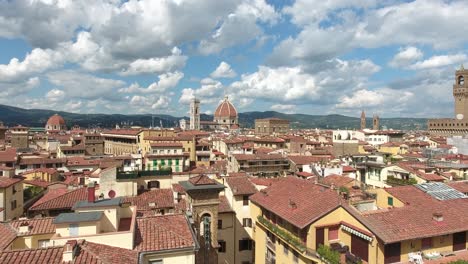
x=337 y=180
x=304 y=160
x=7 y=182
x=162 y=198
x=241 y=185
x=50 y=255
x=7 y=235
x=461 y=186
x=201 y=180
x=59 y=199
x=224 y=206
x=102 y=254
x=415 y=218
x=36 y=226
x=297 y=201
x=163 y=232
x=9 y=155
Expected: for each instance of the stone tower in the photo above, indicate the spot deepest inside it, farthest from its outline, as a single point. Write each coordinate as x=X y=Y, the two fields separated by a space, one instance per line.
x=195 y=114
x=363 y=120
x=203 y=198
x=375 y=122
x=460 y=94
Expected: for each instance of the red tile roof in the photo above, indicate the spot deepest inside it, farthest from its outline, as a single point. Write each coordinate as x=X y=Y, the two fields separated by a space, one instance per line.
x=40 y=183
x=7 y=235
x=178 y=188
x=258 y=156
x=224 y=206
x=36 y=226
x=297 y=201
x=241 y=185
x=102 y=254
x=337 y=180
x=415 y=219
x=225 y=109
x=461 y=186
x=7 y=182
x=9 y=155
x=164 y=232
x=305 y=160
x=50 y=255
x=162 y=198
x=201 y=180
x=59 y=199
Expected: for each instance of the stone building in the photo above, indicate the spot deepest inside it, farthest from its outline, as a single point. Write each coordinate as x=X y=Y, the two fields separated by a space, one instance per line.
x=195 y=114
x=363 y=120
x=270 y=126
x=459 y=124
x=19 y=137
x=376 y=122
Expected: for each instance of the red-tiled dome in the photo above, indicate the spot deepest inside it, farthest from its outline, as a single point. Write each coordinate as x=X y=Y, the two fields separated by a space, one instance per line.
x=225 y=109
x=56 y=120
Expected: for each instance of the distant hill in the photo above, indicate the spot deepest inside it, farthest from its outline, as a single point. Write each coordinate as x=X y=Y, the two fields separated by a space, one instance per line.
x=12 y=116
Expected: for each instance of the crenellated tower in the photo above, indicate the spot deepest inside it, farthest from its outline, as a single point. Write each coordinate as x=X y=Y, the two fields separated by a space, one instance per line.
x=460 y=93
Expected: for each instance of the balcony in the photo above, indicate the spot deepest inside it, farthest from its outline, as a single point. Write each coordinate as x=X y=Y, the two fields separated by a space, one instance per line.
x=138 y=174
x=283 y=234
x=270 y=244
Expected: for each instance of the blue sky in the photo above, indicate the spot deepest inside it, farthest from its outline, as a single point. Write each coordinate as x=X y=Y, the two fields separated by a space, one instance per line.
x=392 y=58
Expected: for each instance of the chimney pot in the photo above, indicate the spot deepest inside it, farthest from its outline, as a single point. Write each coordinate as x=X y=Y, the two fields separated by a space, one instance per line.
x=91 y=193
x=438 y=217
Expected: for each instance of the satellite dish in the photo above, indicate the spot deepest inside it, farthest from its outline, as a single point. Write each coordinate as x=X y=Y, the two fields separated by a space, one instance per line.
x=111 y=194
x=460 y=116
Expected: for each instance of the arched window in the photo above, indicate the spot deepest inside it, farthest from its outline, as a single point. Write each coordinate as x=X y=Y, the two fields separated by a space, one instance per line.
x=461 y=80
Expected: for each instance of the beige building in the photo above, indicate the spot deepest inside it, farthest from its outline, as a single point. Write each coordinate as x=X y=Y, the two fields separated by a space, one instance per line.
x=264 y=165
x=167 y=155
x=271 y=126
x=11 y=194
x=121 y=141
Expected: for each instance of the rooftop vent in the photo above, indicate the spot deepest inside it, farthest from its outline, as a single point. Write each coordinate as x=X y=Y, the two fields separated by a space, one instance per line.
x=292 y=204
x=438 y=217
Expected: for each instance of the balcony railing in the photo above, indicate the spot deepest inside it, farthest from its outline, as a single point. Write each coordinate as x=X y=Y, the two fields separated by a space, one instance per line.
x=270 y=244
x=283 y=234
x=143 y=173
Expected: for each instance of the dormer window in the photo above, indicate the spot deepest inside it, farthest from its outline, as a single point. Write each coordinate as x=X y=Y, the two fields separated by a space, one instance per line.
x=461 y=80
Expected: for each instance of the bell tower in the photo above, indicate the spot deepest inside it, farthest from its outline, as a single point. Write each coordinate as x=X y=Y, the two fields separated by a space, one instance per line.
x=460 y=93
x=375 y=122
x=203 y=199
x=363 y=120
x=195 y=114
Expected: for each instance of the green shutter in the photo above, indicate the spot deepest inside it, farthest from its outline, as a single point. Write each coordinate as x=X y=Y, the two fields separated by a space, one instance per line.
x=390 y=201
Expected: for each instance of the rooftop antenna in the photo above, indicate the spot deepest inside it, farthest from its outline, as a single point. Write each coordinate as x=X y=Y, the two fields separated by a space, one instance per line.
x=152 y=121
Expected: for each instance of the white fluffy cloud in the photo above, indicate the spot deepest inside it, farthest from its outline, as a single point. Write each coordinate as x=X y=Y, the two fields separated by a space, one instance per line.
x=84 y=86
x=372 y=98
x=224 y=70
x=289 y=109
x=405 y=57
x=439 y=61
x=166 y=82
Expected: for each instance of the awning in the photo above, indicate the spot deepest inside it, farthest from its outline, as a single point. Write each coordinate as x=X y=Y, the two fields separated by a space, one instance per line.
x=356 y=233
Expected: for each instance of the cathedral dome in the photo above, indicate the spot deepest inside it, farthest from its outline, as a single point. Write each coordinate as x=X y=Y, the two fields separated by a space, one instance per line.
x=55 y=122
x=225 y=109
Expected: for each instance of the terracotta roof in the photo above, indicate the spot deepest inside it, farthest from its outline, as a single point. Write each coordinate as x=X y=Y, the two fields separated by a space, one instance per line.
x=240 y=185
x=348 y=169
x=162 y=198
x=237 y=174
x=263 y=181
x=224 y=206
x=201 y=180
x=36 y=226
x=163 y=232
x=50 y=255
x=56 y=120
x=103 y=254
x=40 y=183
x=7 y=235
x=337 y=180
x=178 y=188
x=9 y=155
x=298 y=201
x=7 y=182
x=31 y=161
x=415 y=219
x=225 y=109
x=305 y=160
x=461 y=186
x=59 y=199
x=126 y=132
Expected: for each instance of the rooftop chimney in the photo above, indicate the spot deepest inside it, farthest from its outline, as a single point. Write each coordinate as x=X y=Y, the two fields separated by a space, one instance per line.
x=438 y=217
x=91 y=193
x=69 y=252
x=24 y=227
x=292 y=204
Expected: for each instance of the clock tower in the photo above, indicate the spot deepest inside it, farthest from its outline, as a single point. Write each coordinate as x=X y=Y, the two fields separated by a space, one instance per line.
x=460 y=94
